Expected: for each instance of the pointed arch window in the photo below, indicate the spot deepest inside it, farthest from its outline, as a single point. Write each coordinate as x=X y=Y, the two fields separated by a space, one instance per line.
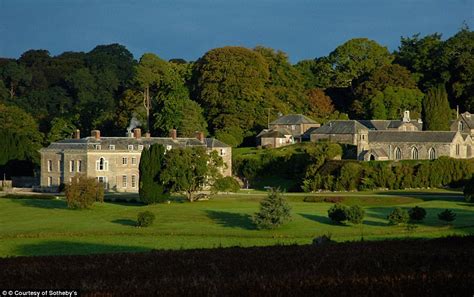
x=414 y=153
x=398 y=153
x=432 y=154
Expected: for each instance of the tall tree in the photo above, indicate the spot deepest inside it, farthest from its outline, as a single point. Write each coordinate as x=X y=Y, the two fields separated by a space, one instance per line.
x=436 y=109
x=319 y=104
x=151 y=188
x=285 y=86
x=230 y=84
x=15 y=76
x=189 y=170
x=357 y=57
x=151 y=71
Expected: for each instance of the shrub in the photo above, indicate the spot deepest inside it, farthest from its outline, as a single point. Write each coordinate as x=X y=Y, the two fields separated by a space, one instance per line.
x=83 y=191
x=398 y=216
x=469 y=190
x=355 y=214
x=417 y=213
x=338 y=213
x=274 y=211
x=226 y=184
x=447 y=215
x=145 y=219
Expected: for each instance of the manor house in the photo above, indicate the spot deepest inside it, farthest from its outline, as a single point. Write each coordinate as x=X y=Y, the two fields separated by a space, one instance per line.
x=114 y=160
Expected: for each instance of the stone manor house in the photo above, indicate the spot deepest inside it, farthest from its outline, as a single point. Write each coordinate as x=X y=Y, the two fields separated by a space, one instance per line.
x=114 y=160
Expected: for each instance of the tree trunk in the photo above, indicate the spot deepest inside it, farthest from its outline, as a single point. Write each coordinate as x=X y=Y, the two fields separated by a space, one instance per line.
x=190 y=196
x=12 y=92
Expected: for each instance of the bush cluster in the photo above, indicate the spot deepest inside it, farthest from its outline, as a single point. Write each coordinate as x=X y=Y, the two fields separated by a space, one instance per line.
x=145 y=219
x=340 y=213
x=354 y=175
x=291 y=162
x=398 y=216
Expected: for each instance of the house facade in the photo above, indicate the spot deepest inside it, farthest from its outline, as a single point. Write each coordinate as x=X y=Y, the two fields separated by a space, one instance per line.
x=286 y=130
x=113 y=160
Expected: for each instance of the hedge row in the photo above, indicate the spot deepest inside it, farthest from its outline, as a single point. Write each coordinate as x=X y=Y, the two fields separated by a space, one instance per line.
x=354 y=175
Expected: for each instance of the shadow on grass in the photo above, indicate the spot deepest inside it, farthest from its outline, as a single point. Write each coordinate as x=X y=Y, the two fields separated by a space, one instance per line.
x=73 y=248
x=42 y=203
x=231 y=219
x=125 y=222
x=320 y=219
x=426 y=196
x=375 y=224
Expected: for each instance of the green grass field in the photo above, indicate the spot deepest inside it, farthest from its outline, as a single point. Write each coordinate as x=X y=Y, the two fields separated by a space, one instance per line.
x=48 y=227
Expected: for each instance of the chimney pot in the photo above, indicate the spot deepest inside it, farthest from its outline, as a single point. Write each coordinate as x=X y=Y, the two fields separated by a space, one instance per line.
x=95 y=134
x=173 y=133
x=137 y=132
x=77 y=134
x=200 y=136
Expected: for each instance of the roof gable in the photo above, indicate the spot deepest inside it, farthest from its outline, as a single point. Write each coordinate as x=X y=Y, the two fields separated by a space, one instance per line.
x=293 y=119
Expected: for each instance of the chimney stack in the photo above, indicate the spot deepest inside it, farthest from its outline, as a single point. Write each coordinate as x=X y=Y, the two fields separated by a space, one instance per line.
x=173 y=133
x=137 y=132
x=200 y=136
x=95 y=134
x=76 y=134
x=147 y=135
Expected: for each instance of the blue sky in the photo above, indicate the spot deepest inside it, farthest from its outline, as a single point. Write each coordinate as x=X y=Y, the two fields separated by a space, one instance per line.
x=188 y=28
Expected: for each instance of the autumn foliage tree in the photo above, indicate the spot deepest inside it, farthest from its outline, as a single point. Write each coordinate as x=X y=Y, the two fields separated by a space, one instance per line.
x=319 y=104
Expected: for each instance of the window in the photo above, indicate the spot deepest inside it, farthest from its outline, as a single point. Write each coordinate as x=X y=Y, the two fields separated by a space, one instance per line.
x=112 y=147
x=130 y=147
x=457 y=149
x=134 y=160
x=79 y=165
x=97 y=147
x=103 y=180
x=50 y=181
x=71 y=166
x=102 y=165
x=432 y=153
x=124 y=181
x=293 y=127
x=60 y=165
x=134 y=181
x=140 y=147
x=460 y=126
x=398 y=153
x=50 y=165
x=124 y=160
x=414 y=153
x=222 y=152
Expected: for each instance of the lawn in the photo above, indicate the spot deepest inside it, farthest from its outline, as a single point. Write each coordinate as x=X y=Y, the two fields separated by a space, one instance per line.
x=47 y=227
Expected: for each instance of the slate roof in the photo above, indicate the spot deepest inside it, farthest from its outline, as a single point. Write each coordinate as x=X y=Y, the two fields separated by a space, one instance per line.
x=340 y=127
x=378 y=152
x=468 y=118
x=293 y=119
x=122 y=143
x=274 y=133
x=412 y=136
x=388 y=124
